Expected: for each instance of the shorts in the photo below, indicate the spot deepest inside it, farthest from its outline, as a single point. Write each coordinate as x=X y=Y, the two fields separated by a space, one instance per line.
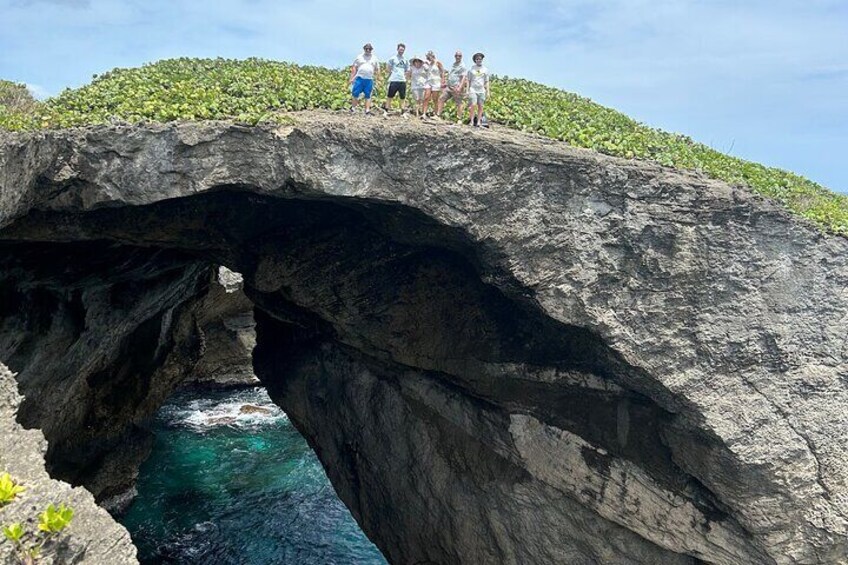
x=476 y=97
x=450 y=93
x=435 y=87
x=362 y=86
x=397 y=88
x=418 y=94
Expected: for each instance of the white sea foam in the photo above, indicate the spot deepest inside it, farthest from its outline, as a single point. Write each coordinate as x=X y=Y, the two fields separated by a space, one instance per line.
x=249 y=408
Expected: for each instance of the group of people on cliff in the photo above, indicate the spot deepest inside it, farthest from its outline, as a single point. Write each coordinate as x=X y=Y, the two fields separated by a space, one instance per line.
x=431 y=83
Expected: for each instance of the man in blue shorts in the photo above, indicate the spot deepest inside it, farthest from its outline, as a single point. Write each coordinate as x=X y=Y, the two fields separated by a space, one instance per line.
x=397 y=67
x=364 y=71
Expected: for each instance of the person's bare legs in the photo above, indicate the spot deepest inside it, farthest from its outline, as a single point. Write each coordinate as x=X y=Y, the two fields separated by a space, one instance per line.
x=416 y=103
x=428 y=95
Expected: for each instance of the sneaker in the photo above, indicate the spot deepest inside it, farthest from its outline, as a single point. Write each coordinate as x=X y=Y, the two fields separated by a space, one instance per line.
x=368 y=112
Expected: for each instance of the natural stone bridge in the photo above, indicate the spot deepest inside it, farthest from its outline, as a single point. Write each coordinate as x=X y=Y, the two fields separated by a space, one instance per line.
x=503 y=349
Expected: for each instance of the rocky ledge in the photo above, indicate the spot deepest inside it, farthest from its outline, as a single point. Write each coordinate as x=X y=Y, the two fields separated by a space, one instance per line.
x=92 y=536
x=502 y=349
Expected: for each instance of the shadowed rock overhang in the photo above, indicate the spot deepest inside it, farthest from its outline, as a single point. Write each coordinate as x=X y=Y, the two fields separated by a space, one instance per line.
x=501 y=348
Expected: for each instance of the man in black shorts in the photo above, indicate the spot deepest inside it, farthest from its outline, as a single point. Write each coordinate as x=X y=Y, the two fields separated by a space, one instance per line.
x=397 y=66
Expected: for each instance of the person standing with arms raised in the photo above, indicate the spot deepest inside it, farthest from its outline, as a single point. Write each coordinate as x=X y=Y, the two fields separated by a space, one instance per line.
x=397 y=68
x=364 y=71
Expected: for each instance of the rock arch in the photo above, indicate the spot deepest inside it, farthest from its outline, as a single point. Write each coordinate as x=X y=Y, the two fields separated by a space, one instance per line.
x=508 y=351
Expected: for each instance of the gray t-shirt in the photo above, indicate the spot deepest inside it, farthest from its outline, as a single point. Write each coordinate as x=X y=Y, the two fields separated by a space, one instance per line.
x=397 y=69
x=455 y=74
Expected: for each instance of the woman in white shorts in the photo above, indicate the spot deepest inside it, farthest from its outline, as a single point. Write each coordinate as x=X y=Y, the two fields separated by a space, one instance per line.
x=417 y=76
x=435 y=82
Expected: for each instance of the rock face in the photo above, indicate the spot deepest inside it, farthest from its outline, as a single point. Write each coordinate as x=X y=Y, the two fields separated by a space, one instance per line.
x=502 y=349
x=92 y=536
x=100 y=335
x=225 y=322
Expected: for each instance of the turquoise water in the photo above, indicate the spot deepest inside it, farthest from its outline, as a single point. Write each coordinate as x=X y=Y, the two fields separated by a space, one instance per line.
x=225 y=487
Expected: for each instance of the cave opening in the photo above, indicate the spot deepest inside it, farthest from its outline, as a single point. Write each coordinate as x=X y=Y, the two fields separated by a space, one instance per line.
x=414 y=371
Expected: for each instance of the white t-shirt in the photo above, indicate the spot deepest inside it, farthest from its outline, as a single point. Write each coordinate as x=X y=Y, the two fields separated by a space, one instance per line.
x=419 y=76
x=434 y=74
x=366 y=65
x=478 y=78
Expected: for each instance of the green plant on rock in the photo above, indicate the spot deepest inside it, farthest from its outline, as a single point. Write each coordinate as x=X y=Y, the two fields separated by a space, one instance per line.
x=55 y=519
x=13 y=532
x=9 y=489
x=26 y=553
x=30 y=547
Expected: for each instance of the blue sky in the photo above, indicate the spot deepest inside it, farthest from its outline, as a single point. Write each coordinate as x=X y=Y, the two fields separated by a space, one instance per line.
x=763 y=80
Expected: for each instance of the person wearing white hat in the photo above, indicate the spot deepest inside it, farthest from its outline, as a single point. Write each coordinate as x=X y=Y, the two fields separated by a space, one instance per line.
x=417 y=76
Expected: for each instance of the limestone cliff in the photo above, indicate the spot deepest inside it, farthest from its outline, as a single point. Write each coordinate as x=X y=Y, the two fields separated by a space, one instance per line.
x=92 y=537
x=502 y=349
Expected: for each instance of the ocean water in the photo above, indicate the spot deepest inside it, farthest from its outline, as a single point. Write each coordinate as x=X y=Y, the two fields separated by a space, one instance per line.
x=226 y=486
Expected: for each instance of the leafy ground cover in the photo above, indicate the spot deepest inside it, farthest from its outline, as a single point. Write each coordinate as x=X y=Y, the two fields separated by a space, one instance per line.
x=256 y=90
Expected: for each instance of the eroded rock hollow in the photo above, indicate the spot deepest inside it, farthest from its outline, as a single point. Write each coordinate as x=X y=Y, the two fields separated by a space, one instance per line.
x=502 y=349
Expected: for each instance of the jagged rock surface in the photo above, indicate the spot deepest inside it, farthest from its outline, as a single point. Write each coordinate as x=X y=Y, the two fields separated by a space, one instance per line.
x=225 y=321
x=100 y=335
x=92 y=536
x=502 y=349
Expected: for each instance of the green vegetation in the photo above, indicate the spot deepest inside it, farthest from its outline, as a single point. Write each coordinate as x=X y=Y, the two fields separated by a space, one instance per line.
x=53 y=520
x=30 y=547
x=256 y=91
x=17 y=106
x=9 y=489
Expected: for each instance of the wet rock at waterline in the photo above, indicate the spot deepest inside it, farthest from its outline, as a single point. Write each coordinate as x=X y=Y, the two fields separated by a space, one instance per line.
x=501 y=348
